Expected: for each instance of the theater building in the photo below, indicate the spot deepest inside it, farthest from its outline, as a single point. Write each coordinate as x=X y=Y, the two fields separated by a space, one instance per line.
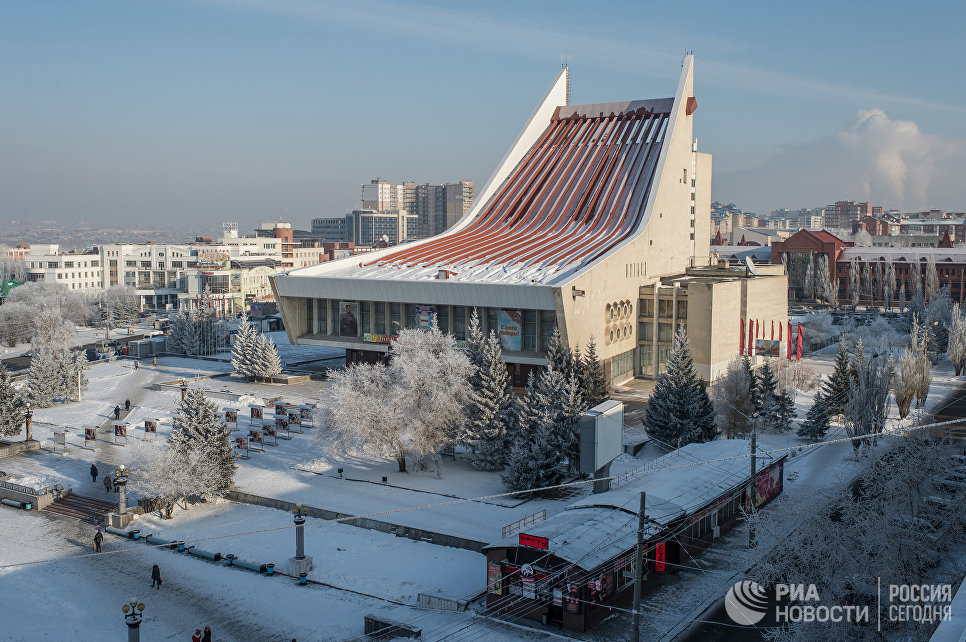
x=573 y=567
x=590 y=204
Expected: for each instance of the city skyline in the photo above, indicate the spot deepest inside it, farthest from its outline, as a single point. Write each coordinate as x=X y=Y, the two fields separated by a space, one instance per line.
x=250 y=110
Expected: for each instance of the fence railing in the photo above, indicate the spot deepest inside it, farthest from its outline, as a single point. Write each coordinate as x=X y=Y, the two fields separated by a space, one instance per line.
x=27 y=490
x=520 y=524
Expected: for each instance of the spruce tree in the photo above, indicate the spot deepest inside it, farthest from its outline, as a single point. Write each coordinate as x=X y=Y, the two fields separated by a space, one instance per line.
x=754 y=398
x=786 y=410
x=268 y=363
x=767 y=394
x=572 y=405
x=11 y=410
x=43 y=379
x=242 y=351
x=491 y=410
x=816 y=422
x=835 y=390
x=201 y=431
x=673 y=406
x=705 y=418
x=535 y=461
x=559 y=356
x=476 y=343
x=594 y=382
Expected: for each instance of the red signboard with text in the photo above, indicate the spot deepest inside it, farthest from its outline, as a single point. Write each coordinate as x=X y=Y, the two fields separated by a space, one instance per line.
x=534 y=542
x=660 y=557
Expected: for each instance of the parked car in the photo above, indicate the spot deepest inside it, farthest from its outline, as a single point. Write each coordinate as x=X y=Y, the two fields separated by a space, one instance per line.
x=950 y=482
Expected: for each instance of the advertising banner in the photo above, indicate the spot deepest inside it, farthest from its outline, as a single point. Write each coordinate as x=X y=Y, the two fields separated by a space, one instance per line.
x=660 y=557
x=768 y=347
x=256 y=411
x=120 y=430
x=241 y=443
x=208 y=257
x=150 y=426
x=534 y=541
x=494 y=584
x=255 y=436
x=281 y=423
x=510 y=324
x=425 y=314
x=231 y=416
x=294 y=417
x=60 y=438
x=280 y=408
x=348 y=318
x=89 y=434
x=369 y=337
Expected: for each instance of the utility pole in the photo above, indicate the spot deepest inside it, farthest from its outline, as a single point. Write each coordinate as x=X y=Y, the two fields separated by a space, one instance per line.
x=752 y=489
x=638 y=571
x=107 y=336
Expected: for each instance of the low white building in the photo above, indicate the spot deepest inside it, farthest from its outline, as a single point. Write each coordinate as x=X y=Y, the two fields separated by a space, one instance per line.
x=157 y=272
x=77 y=271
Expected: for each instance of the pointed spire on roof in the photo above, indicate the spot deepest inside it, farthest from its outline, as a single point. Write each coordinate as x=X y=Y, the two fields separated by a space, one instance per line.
x=946 y=241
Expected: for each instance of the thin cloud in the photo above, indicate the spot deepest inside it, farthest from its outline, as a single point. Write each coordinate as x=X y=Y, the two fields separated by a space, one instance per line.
x=472 y=30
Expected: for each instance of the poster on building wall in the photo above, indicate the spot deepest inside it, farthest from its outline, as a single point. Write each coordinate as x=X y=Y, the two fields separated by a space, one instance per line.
x=769 y=484
x=348 y=318
x=493 y=579
x=510 y=324
x=425 y=315
x=768 y=347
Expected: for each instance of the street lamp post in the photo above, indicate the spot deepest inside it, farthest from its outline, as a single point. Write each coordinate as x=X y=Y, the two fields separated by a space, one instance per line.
x=28 y=414
x=120 y=478
x=300 y=565
x=184 y=389
x=132 y=617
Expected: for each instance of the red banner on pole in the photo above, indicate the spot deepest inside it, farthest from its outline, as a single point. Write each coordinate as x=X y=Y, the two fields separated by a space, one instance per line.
x=741 y=336
x=751 y=338
x=801 y=342
x=772 y=330
x=789 y=340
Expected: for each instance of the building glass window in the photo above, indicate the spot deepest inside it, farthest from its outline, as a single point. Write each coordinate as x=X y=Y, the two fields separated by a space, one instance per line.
x=529 y=329
x=647 y=360
x=410 y=320
x=364 y=312
x=380 y=322
x=394 y=320
x=459 y=322
x=491 y=323
x=663 y=352
x=442 y=318
x=621 y=365
x=321 y=308
x=647 y=307
x=548 y=323
x=665 y=332
x=665 y=308
x=682 y=309
x=334 y=315
x=645 y=331
x=309 y=309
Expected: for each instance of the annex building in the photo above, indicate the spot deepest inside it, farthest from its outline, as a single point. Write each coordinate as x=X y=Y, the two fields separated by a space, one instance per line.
x=589 y=216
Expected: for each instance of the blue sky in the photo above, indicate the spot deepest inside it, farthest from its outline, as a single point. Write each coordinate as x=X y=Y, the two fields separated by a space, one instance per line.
x=192 y=112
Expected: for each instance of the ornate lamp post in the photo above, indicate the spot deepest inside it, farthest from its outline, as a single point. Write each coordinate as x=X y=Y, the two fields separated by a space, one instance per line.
x=184 y=389
x=28 y=414
x=120 y=478
x=132 y=617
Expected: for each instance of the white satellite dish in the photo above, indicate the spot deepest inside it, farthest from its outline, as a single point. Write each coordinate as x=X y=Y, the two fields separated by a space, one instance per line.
x=750 y=267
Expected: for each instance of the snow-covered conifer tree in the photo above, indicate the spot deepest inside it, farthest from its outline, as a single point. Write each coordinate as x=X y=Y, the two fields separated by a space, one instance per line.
x=854 y=282
x=201 y=431
x=835 y=389
x=937 y=322
x=535 y=462
x=932 y=278
x=704 y=417
x=785 y=413
x=753 y=390
x=673 y=406
x=957 y=339
x=890 y=284
x=816 y=422
x=476 y=343
x=11 y=411
x=594 y=382
x=43 y=379
x=559 y=356
x=808 y=284
x=573 y=404
x=242 y=351
x=867 y=406
x=902 y=297
x=490 y=411
x=767 y=394
x=824 y=288
x=267 y=363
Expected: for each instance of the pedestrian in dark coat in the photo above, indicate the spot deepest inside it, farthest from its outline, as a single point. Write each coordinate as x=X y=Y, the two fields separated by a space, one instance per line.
x=197 y=636
x=116 y=485
x=107 y=482
x=94 y=473
x=136 y=364
x=207 y=636
x=117 y=413
x=98 y=538
x=127 y=405
x=156 y=577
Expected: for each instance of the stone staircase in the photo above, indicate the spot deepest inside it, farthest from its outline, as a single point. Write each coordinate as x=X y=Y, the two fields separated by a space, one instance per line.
x=86 y=509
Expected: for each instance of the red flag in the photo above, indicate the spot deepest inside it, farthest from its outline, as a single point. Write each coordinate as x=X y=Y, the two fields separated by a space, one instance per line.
x=756 y=328
x=751 y=339
x=772 y=330
x=741 y=336
x=779 y=330
x=798 y=350
x=789 y=341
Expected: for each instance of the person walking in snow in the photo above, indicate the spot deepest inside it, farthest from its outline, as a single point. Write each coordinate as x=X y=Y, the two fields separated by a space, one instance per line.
x=117 y=413
x=94 y=473
x=197 y=636
x=137 y=364
x=107 y=482
x=116 y=485
x=156 y=577
x=98 y=538
x=155 y=361
x=207 y=636
x=127 y=405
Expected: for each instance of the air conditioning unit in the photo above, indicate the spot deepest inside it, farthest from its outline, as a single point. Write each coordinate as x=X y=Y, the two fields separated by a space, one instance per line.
x=716 y=532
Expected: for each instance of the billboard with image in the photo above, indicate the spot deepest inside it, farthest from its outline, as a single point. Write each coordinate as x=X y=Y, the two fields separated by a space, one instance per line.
x=348 y=318
x=510 y=324
x=425 y=315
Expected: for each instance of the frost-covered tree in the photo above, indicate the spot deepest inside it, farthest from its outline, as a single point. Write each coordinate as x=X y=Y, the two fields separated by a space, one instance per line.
x=918 y=342
x=43 y=380
x=559 y=356
x=785 y=411
x=267 y=363
x=490 y=410
x=890 y=287
x=122 y=303
x=824 y=287
x=732 y=399
x=957 y=339
x=71 y=367
x=415 y=405
x=854 y=282
x=867 y=283
x=902 y=297
x=535 y=460
x=16 y=322
x=880 y=282
x=932 y=277
x=202 y=432
x=180 y=338
x=594 y=383
x=52 y=330
x=572 y=404
x=867 y=407
x=51 y=296
x=243 y=349
x=675 y=404
x=835 y=390
x=170 y=475
x=475 y=343
x=917 y=304
x=809 y=282
x=11 y=407
x=816 y=422
x=937 y=321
